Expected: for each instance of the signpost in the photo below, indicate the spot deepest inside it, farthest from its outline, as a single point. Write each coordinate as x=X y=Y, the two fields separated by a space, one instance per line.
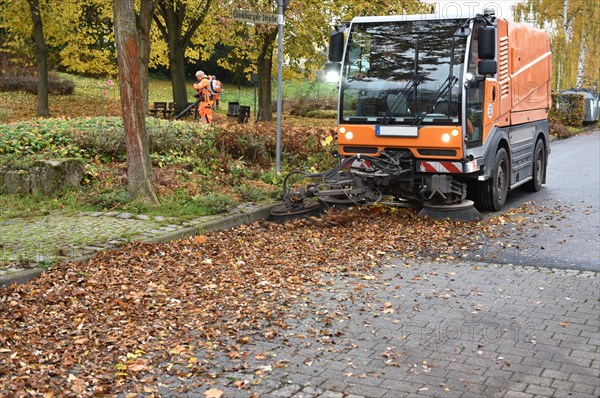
x=257 y=17
x=279 y=85
x=264 y=18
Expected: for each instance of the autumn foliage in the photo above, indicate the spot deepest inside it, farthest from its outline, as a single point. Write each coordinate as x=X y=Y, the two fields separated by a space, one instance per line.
x=256 y=142
x=568 y=109
x=117 y=322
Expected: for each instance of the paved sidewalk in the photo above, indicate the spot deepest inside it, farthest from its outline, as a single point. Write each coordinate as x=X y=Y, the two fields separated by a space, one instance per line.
x=417 y=330
x=28 y=245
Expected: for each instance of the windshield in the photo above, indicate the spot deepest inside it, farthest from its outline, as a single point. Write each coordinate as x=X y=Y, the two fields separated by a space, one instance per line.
x=400 y=73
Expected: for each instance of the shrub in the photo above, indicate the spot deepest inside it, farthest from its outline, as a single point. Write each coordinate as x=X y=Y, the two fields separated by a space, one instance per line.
x=215 y=202
x=253 y=142
x=106 y=137
x=30 y=139
x=5 y=115
x=567 y=109
x=103 y=139
x=256 y=142
x=303 y=105
x=27 y=83
x=559 y=130
x=251 y=193
x=322 y=113
x=188 y=138
x=99 y=137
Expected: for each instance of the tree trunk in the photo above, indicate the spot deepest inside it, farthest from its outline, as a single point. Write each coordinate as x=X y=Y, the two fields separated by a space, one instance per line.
x=41 y=52
x=566 y=21
x=172 y=14
x=581 y=63
x=145 y=23
x=177 y=31
x=177 y=67
x=139 y=171
x=265 y=67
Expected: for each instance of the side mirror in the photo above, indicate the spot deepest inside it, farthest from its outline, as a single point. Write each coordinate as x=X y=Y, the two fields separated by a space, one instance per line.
x=486 y=48
x=463 y=31
x=471 y=80
x=487 y=67
x=336 y=45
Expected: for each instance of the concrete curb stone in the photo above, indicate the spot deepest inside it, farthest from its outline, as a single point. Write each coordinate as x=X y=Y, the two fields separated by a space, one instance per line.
x=249 y=214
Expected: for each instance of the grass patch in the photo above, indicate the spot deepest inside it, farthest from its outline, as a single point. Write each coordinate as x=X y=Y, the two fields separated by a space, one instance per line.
x=23 y=206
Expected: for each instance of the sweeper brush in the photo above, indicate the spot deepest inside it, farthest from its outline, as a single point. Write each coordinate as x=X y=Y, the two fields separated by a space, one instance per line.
x=364 y=180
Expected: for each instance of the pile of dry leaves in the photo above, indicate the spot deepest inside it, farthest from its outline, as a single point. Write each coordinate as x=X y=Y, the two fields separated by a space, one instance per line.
x=105 y=325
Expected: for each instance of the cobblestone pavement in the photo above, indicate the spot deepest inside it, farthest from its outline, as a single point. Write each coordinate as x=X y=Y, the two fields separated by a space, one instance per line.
x=417 y=330
x=26 y=242
x=33 y=242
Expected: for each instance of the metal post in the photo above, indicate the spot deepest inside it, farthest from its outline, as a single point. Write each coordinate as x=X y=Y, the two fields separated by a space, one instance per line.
x=279 y=85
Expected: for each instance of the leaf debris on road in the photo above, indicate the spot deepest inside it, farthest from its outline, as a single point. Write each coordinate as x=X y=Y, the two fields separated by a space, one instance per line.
x=110 y=324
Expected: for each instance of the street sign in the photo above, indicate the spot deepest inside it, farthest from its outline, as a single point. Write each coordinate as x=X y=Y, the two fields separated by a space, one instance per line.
x=256 y=17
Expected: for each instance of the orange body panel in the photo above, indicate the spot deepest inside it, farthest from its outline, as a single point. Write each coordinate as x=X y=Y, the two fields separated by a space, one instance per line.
x=430 y=137
x=530 y=66
x=491 y=106
x=529 y=116
x=524 y=73
x=504 y=99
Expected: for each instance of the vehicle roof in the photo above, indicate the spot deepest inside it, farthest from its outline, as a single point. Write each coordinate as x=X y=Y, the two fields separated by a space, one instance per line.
x=448 y=14
x=585 y=92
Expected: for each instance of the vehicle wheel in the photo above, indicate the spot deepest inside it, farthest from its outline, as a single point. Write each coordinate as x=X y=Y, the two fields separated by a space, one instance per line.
x=539 y=167
x=492 y=193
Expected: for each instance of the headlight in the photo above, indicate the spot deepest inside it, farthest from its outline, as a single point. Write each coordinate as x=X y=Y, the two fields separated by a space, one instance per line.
x=446 y=137
x=332 y=72
x=349 y=135
x=454 y=133
x=332 y=76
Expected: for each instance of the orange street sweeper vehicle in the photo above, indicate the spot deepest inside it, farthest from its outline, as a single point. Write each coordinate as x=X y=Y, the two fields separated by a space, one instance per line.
x=442 y=111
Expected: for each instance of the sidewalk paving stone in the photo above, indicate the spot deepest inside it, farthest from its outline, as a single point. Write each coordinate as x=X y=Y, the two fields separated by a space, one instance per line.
x=344 y=339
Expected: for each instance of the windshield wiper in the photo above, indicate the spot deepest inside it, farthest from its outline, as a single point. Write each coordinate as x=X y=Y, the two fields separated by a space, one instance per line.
x=441 y=93
x=408 y=91
x=403 y=95
x=445 y=88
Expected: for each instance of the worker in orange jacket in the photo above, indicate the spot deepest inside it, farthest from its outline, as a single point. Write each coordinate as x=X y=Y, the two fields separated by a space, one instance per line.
x=203 y=93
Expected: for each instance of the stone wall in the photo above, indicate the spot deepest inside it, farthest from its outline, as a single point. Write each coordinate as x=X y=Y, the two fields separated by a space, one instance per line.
x=42 y=177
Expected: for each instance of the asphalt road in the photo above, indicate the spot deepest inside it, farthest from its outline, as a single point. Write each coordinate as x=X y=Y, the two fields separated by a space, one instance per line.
x=563 y=230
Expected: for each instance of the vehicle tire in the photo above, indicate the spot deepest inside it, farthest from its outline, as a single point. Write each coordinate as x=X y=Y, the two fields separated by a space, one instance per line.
x=539 y=167
x=491 y=194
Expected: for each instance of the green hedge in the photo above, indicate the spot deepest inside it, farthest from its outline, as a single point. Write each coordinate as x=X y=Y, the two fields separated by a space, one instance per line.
x=28 y=84
x=101 y=138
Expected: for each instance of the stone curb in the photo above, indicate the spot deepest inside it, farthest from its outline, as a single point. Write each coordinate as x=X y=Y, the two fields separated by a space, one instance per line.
x=225 y=222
